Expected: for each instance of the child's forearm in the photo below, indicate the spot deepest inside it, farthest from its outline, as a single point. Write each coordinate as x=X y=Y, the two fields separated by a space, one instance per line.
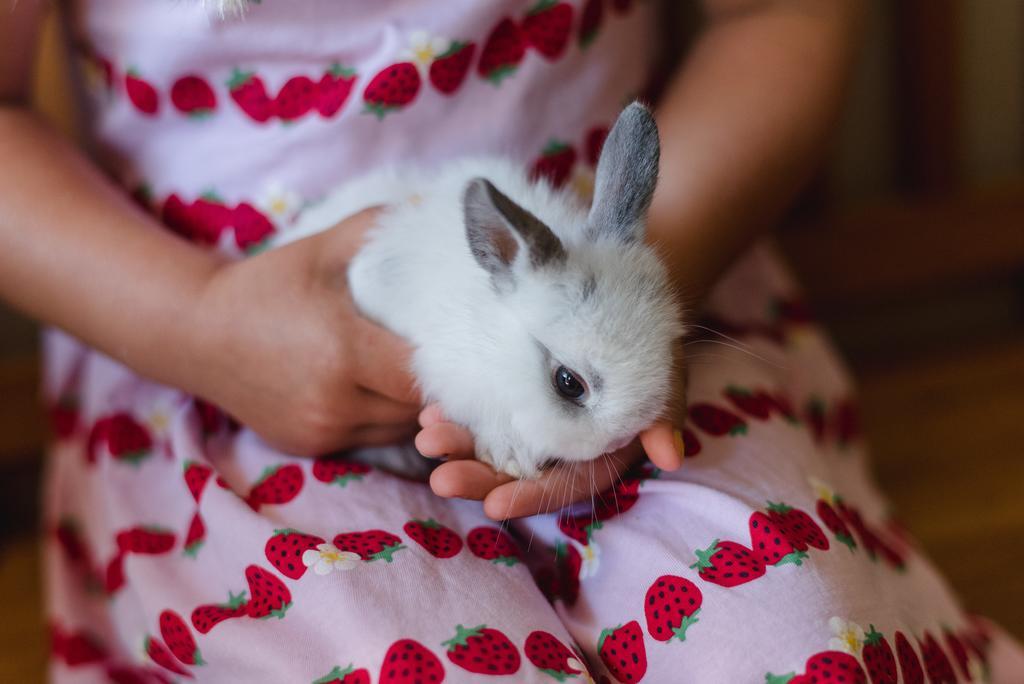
x=744 y=123
x=79 y=255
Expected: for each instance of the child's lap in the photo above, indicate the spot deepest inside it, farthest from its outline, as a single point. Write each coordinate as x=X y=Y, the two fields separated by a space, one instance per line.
x=593 y=577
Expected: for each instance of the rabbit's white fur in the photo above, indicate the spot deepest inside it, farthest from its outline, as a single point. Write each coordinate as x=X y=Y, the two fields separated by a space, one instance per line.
x=486 y=350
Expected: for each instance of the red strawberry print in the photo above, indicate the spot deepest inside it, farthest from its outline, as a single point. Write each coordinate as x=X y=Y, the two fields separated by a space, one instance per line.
x=622 y=651
x=798 y=527
x=160 y=655
x=671 y=607
x=550 y=655
x=141 y=94
x=578 y=527
x=113 y=577
x=250 y=94
x=333 y=90
x=336 y=469
x=438 y=540
x=728 y=564
x=878 y=658
x=716 y=421
x=829 y=667
x=119 y=673
x=77 y=648
x=691 y=443
x=370 y=545
x=976 y=647
x=595 y=143
x=206 y=617
x=409 y=662
x=349 y=675
x=547 y=26
x=211 y=418
x=781 y=405
x=192 y=95
x=276 y=485
x=835 y=524
x=252 y=228
x=753 y=405
x=78 y=556
x=814 y=414
x=196 y=477
x=147 y=540
x=209 y=219
x=270 y=598
x=910 y=666
x=70 y=540
x=959 y=652
x=127 y=440
x=448 y=70
x=590 y=23
x=296 y=98
x=502 y=52
x=622 y=497
x=568 y=562
x=868 y=539
x=483 y=651
x=936 y=663
x=392 y=89
x=555 y=164
x=195 y=537
x=64 y=418
x=889 y=553
x=770 y=545
x=847 y=422
x=492 y=544
x=284 y=551
x=178 y=637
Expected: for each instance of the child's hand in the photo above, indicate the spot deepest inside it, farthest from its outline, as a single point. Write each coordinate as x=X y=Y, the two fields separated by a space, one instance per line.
x=464 y=477
x=281 y=347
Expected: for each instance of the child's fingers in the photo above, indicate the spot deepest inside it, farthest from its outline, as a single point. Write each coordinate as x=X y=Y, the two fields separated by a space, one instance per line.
x=663 y=444
x=431 y=415
x=467 y=479
x=556 y=488
x=445 y=439
x=384 y=358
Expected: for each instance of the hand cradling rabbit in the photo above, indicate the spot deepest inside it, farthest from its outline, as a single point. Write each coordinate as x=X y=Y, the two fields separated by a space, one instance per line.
x=543 y=327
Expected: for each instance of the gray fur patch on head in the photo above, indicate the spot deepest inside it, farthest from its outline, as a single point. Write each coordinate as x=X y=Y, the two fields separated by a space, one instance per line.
x=495 y=227
x=627 y=174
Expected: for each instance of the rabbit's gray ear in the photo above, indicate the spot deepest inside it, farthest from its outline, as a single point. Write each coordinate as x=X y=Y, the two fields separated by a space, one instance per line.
x=498 y=229
x=627 y=174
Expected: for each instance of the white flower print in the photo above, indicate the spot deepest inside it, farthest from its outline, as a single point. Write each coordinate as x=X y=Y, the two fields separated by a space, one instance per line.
x=424 y=48
x=849 y=636
x=326 y=558
x=822 y=490
x=591 y=557
x=279 y=204
x=583 y=677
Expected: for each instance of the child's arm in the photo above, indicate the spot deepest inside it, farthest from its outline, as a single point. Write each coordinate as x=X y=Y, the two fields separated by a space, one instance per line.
x=742 y=127
x=274 y=339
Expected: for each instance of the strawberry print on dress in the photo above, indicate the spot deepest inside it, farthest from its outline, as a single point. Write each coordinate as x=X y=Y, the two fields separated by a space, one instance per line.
x=194 y=96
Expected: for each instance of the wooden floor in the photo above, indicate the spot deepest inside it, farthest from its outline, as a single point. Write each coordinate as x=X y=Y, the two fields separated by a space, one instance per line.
x=948 y=436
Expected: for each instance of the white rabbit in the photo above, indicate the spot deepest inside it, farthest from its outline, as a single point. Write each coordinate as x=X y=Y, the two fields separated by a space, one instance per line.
x=544 y=328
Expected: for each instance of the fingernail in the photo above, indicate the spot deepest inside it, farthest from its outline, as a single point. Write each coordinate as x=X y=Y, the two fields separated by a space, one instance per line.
x=677 y=437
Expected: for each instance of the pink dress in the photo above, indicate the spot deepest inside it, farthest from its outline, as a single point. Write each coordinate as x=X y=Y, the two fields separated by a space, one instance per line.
x=181 y=547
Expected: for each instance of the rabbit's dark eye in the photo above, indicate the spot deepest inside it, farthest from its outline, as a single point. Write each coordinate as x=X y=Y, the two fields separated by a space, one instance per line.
x=568 y=384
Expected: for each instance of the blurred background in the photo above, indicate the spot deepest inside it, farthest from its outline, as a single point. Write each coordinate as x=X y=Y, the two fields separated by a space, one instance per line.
x=911 y=246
